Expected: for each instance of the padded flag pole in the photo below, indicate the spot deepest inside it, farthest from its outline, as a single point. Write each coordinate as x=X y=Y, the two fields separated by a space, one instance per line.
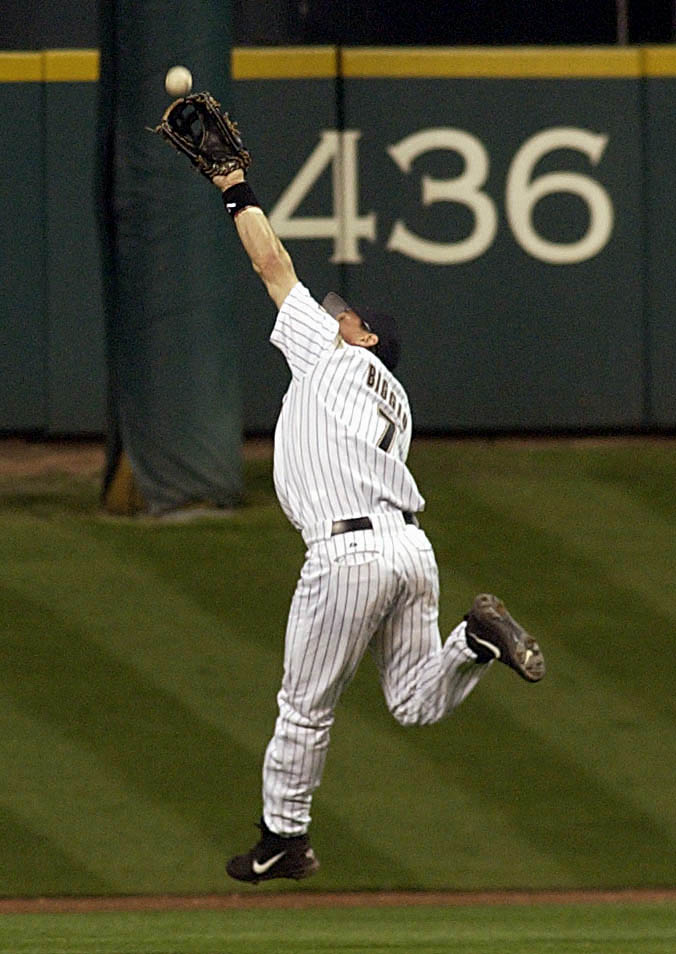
x=174 y=398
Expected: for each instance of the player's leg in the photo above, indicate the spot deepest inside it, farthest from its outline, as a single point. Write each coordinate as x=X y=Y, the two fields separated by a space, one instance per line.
x=334 y=611
x=423 y=679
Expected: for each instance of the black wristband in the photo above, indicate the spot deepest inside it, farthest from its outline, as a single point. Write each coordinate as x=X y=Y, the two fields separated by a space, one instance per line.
x=238 y=197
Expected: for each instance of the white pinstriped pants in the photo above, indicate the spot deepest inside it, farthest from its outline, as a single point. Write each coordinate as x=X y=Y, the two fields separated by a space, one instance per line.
x=370 y=589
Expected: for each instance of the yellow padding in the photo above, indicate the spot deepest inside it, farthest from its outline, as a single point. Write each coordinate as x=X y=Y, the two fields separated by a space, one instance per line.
x=50 y=66
x=20 y=67
x=659 y=60
x=321 y=62
x=71 y=66
x=499 y=62
x=284 y=62
x=122 y=495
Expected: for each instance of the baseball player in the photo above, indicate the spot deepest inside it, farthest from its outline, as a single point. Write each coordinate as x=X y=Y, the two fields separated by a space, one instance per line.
x=370 y=579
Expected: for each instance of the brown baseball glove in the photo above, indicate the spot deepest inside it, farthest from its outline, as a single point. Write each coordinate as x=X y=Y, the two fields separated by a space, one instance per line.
x=195 y=126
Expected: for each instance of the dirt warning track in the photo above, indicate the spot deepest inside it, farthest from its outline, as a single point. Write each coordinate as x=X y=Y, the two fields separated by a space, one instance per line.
x=299 y=900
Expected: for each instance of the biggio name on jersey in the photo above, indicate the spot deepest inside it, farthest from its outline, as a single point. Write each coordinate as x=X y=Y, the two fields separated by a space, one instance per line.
x=377 y=380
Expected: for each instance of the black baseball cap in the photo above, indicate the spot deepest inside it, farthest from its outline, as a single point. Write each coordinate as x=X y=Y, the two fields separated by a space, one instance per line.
x=388 y=348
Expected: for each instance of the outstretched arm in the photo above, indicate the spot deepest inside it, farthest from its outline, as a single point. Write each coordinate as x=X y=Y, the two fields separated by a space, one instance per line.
x=270 y=259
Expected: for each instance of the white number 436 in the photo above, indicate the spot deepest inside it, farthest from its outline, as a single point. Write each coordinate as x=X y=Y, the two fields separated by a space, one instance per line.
x=346 y=227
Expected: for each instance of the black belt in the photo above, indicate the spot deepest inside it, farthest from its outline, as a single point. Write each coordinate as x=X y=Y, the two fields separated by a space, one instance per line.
x=364 y=523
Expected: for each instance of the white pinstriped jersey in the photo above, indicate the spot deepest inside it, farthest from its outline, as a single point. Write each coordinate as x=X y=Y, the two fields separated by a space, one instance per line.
x=341 y=444
x=344 y=430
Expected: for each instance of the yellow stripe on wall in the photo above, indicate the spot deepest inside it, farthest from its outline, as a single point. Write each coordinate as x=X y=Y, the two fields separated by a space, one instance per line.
x=284 y=62
x=50 y=66
x=71 y=66
x=321 y=62
x=501 y=62
x=20 y=67
x=659 y=60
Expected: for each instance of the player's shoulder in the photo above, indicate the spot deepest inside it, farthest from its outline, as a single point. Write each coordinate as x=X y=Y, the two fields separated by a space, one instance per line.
x=303 y=330
x=300 y=299
x=301 y=312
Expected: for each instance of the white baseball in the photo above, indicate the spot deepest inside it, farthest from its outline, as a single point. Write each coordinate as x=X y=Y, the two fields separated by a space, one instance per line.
x=178 y=81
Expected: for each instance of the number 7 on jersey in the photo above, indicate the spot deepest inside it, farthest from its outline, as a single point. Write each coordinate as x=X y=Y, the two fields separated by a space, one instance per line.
x=387 y=439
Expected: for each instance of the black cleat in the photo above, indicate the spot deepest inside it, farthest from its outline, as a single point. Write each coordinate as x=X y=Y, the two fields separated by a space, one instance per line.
x=274 y=857
x=493 y=634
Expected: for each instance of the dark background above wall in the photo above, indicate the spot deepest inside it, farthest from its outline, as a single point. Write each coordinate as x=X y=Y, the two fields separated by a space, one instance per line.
x=74 y=23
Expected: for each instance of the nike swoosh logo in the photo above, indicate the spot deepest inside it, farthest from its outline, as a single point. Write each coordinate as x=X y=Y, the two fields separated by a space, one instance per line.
x=262 y=867
x=483 y=642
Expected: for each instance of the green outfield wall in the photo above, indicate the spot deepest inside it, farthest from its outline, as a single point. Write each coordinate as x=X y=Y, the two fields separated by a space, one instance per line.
x=52 y=357
x=514 y=206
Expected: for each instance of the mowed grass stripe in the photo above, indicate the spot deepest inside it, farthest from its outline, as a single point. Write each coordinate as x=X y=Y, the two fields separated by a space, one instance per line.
x=96 y=833
x=551 y=786
x=180 y=692
x=150 y=738
x=592 y=707
x=78 y=641
x=43 y=860
x=556 y=805
x=590 y=623
x=422 y=809
x=622 y=570
x=636 y=550
x=616 y=929
x=205 y=659
x=594 y=651
x=536 y=521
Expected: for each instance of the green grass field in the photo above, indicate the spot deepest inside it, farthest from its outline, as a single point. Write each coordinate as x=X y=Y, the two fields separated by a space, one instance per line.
x=140 y=663
x=621 y=929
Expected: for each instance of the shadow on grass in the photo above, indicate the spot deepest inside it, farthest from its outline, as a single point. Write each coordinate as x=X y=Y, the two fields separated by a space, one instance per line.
x=51 y=495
